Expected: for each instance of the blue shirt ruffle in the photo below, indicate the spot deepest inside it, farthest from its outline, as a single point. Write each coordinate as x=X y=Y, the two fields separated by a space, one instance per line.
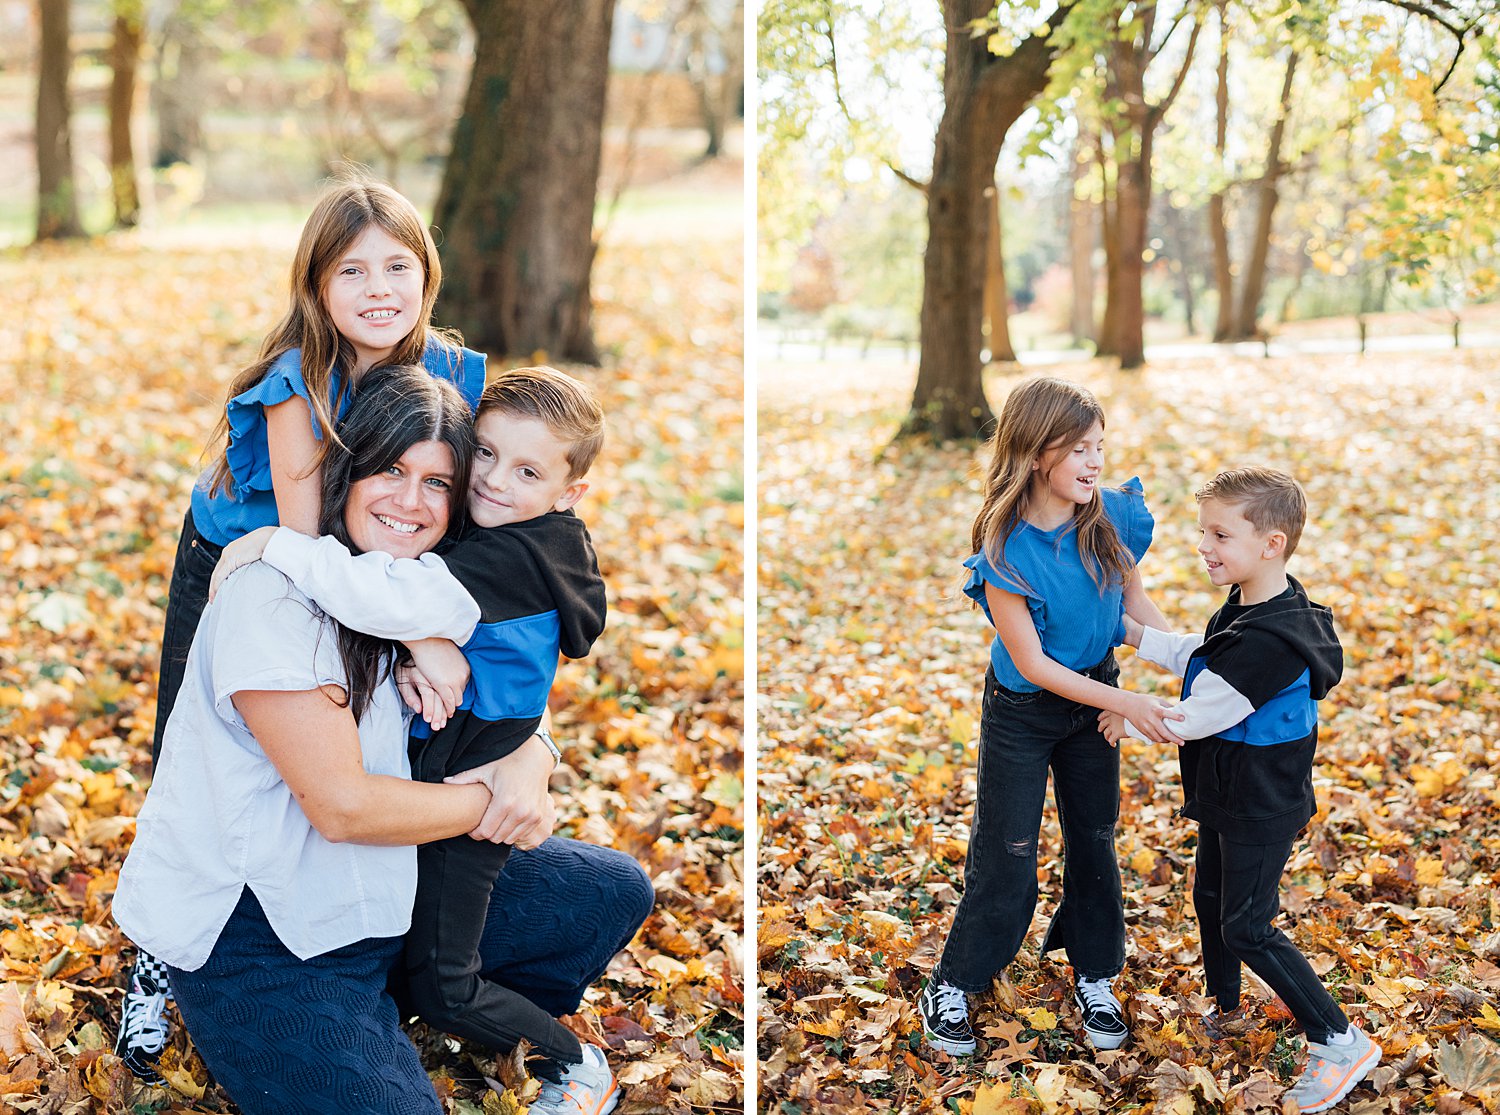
x=225 y=516
x=1078 y=625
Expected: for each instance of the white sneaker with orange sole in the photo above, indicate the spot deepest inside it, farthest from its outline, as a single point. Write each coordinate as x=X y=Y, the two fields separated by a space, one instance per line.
x=1332 y=1071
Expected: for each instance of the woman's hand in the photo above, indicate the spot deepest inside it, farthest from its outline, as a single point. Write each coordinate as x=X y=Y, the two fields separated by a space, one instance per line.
x=520 y=812
x=1152 y=715
x=439 y=673
x=238 y=554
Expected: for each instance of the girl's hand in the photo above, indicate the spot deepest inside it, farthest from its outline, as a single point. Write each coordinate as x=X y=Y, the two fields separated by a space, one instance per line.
x=442 y=671
x=239 y=553
x=1133 y=629
x=1112 y=727
x=520 y=812
x=1151 y=715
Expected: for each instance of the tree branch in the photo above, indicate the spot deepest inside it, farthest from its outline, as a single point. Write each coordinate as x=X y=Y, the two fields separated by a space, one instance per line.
x=838 y=96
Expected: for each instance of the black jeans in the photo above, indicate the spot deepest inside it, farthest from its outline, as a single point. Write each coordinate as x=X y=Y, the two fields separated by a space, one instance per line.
x=442 y=977
x=1236 y=896
x=187 y=596
x=1021 y=737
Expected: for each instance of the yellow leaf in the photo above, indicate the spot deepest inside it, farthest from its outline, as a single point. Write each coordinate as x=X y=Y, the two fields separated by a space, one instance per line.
x=961 y=727
x=1489 y=1019
x=1429 y=871
x=1143 y=862
x=1039 y=1018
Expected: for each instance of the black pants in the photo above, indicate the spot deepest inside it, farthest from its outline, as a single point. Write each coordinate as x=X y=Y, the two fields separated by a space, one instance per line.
x=1236 y=896
x=442 y=977
x=187 y=596
x=1022 y=737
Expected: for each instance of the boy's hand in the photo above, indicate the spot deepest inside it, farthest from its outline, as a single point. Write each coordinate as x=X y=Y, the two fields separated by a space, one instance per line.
x=442 y=672
x=1152 y=715
x=1133 y=629
x=1112 y=727
x=520 y=812
x=239 y=553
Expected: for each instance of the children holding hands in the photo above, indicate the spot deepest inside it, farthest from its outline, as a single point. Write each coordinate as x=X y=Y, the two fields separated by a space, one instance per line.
x=1054 y=568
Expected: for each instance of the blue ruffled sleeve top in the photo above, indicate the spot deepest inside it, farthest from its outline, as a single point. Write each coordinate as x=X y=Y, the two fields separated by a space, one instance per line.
x=1078 y=624
x=250 y=502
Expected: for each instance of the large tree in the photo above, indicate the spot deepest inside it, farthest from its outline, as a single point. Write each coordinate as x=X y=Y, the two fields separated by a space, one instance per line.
x=57 y=196
x=983 y=94
x=516 y=206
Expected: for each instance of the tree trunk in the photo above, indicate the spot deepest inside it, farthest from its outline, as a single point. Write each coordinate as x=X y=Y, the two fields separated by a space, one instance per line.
x=57 y=198
x=1082 y=237
x=1132 y=209
x=125 y=56
x=1109 y=214
x=1245 y=325
x=996 y=294
x=1218 y=230
x=982 y=96
x=516 y=207
x=1135 y=134
x=177 y=93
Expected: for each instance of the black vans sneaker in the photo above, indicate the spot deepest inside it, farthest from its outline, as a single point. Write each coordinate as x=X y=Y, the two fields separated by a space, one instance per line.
x=1103 y=1019
x=143 y=1023
x=945 y=1017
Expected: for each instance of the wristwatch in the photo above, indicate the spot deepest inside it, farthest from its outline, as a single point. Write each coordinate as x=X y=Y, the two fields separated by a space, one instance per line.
x=546 y=737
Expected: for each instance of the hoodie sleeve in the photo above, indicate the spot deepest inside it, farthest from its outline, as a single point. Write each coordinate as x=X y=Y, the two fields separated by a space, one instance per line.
x=1213 y=706
x=390 y=598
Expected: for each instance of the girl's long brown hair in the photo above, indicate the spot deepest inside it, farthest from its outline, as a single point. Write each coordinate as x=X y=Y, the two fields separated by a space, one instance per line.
x=1039 y=415
x=339 y=218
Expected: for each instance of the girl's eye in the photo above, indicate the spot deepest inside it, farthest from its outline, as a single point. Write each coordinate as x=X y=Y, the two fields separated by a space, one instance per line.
x=400 y=267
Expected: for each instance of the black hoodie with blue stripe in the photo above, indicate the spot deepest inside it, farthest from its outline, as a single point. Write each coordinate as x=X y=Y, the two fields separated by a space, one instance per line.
x=539 y=592
x=1251 y=687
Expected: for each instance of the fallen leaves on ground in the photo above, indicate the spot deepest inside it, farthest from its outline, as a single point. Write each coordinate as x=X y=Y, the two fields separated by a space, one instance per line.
x=870 y=668
x=111 y=373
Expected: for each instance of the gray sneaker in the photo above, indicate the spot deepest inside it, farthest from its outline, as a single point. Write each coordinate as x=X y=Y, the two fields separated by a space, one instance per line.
x=587 y=1088
x=1332 y=1072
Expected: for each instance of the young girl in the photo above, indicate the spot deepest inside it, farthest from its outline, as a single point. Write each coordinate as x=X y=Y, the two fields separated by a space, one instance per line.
x=1054 y=569
x=363 y=283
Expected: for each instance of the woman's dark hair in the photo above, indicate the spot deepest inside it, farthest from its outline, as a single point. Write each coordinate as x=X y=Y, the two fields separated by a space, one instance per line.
x=396 y=407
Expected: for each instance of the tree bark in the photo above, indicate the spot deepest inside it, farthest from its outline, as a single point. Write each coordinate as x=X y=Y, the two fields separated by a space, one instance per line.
x=982 y=97
x=1134 y=136
x=125 y=56
x=1082 y=237
x=57 y=198
x=1245 y=325
x=177 y=94
x=516 y=206
x=996 y=293
x=1218 y=228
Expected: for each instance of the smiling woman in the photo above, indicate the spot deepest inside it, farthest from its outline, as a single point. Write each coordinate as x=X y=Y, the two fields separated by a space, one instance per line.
x=273 y=869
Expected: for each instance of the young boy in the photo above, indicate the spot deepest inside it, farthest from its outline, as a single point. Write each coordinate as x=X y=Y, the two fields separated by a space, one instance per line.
x=1251 y=685
x=529 y=564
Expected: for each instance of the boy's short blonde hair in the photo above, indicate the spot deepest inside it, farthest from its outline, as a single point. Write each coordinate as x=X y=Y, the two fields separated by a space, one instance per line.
x=566 y=405
x=1269 y=500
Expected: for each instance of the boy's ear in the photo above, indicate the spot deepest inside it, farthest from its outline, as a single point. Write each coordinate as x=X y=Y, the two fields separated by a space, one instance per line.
x=1275 y=546
x=571 y=495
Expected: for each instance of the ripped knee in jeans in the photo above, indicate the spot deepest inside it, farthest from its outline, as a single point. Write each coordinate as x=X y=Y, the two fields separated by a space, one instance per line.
x=1024 y=848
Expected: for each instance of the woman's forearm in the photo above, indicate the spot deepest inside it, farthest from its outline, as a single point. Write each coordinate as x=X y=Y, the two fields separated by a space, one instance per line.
x=311 y=739
x=381 y=809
